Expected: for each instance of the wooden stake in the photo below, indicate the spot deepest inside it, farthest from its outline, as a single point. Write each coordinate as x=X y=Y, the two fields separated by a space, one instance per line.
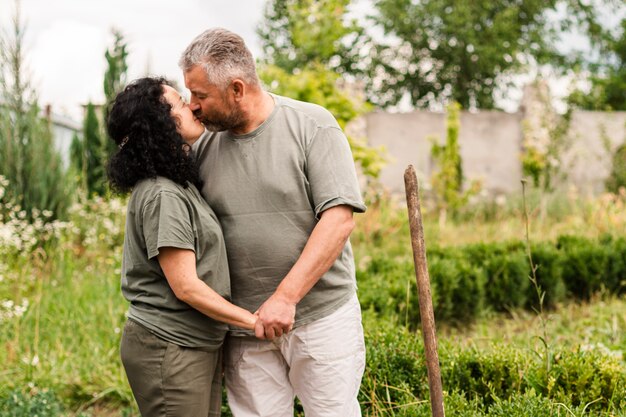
x=423 y=286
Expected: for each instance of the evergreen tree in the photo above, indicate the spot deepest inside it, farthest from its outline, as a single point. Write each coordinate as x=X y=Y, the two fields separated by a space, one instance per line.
x=93 y=153
x=77 y=160
x=28 y=158
x=90 y=155
x=114 y=78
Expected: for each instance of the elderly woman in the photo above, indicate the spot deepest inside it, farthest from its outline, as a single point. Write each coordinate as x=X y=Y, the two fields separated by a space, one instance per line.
x=174 y=269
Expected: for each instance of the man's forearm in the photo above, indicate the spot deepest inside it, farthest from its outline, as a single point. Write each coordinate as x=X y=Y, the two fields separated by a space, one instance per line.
x=320 y=252
x=329 y=236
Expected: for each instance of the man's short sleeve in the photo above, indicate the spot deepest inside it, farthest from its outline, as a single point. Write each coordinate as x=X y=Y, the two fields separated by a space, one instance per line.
x=167 y=223
x=331 y=173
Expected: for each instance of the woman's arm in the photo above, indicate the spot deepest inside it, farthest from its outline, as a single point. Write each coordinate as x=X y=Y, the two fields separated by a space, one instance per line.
x=179 y=266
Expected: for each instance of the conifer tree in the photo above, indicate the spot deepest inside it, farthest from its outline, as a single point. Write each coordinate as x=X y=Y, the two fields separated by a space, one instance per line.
x=93 y=153
x=28 y=157
x=114 y=78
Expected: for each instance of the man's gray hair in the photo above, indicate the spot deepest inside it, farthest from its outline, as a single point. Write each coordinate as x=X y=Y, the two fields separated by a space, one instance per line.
x=223 y=55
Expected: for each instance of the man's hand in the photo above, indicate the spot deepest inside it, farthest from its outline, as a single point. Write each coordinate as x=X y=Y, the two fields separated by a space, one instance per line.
x=329 y=236
x=276 y=317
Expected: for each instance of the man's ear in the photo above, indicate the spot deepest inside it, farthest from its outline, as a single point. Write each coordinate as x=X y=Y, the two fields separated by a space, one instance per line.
x=238 y=88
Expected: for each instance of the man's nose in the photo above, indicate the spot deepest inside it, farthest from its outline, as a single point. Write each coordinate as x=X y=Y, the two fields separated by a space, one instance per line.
x=193 y=104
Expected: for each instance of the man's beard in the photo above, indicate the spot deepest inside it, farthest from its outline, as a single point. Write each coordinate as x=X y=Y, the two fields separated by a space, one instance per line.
x=219 y=122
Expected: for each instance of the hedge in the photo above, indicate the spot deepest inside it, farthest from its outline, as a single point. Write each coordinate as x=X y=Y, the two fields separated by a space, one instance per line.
x=467 y=281
x=499 y=381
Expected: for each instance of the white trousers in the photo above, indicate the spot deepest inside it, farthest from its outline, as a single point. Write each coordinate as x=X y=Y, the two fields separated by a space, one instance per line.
x=321 y=363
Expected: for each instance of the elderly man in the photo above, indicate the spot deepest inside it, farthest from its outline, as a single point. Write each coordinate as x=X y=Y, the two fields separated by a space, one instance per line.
x=280 y=176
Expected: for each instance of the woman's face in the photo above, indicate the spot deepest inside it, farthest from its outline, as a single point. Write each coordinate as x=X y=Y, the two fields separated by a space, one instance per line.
x=187 y=125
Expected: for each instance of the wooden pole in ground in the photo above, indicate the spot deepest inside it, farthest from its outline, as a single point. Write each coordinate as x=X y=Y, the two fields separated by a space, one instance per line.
x=423 y=286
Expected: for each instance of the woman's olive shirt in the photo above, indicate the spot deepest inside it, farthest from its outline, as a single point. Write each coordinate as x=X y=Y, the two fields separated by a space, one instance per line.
x=161 y=214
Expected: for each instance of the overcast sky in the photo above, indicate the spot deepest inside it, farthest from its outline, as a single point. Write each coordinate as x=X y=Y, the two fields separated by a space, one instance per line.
x=65 y=39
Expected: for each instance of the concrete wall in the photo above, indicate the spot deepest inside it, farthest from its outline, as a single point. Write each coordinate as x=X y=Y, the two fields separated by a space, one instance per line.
x=491 y=145
x=593 y=138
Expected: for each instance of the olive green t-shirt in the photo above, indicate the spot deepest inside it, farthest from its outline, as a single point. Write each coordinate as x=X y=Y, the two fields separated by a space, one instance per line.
x=268 y=188
x=161 y=214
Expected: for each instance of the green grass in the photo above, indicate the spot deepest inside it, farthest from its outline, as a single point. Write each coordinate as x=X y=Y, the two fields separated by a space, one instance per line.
x=72 y=327
x=68 y=338
x=599 y=324
x=62 y=352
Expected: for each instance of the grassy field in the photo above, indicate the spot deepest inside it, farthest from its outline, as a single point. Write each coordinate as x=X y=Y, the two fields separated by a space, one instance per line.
x=61 y=312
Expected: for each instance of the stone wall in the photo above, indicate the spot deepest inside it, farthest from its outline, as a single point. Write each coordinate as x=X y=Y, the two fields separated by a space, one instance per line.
x=491 y=146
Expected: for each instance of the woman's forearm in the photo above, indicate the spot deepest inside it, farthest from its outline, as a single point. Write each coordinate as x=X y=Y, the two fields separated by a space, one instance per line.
x=204 y=299
x=179 y=267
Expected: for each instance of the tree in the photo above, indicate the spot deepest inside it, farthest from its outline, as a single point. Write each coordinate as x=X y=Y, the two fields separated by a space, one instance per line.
x=114 y=77
x=93 y=153
x=28 y=158
x=448 y=181
x=89 y=156
x=436 y=51
x=306 y=43
x=296 y=33
x=608 y=82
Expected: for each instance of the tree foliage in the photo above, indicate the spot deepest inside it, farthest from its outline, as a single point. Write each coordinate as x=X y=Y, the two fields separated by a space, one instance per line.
x=545 y=138
x=608 y=81
x=436 y=51
x=115 y=76
x=617 y=178
x=296 y=33
x=89 y=155
x=306 y=43
x=28 y=157
x=448 y=181
x=93 y=153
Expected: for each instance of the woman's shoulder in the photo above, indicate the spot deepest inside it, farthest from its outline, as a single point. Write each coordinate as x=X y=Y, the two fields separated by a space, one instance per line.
x=148 y=189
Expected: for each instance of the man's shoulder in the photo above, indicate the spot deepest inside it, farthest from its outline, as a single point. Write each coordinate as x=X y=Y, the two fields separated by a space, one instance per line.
x=306 y=111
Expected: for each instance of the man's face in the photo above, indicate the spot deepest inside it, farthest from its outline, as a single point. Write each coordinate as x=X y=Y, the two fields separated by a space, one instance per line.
x=215 y=108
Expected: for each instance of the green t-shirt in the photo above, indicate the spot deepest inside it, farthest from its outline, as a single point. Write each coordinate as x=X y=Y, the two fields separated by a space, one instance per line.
x=160 y=214
x=268 y=189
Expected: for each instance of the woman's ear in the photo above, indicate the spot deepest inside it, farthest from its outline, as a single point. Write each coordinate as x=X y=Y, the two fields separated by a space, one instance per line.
x=177 y=120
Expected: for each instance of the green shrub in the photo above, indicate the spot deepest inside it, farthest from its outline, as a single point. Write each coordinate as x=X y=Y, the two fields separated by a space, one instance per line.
x=506 y=268
x=458 y=286
x=615 y=274
x=499 y=381
x=548 y=262
x=40 y=404
x=587 y=377
x=584 y=265
x=384 y=287
x=617 y=178
x=467 y=280
x=395 y=374
x=487 y=375
x=529 y=404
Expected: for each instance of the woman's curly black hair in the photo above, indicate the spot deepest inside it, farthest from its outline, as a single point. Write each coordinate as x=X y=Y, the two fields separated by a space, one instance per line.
x=140 y=123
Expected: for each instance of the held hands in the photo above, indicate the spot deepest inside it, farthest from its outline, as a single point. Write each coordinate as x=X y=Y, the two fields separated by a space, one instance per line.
x=275 y=318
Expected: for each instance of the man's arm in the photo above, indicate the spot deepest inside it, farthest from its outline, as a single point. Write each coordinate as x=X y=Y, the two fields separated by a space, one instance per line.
x=329 y=236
